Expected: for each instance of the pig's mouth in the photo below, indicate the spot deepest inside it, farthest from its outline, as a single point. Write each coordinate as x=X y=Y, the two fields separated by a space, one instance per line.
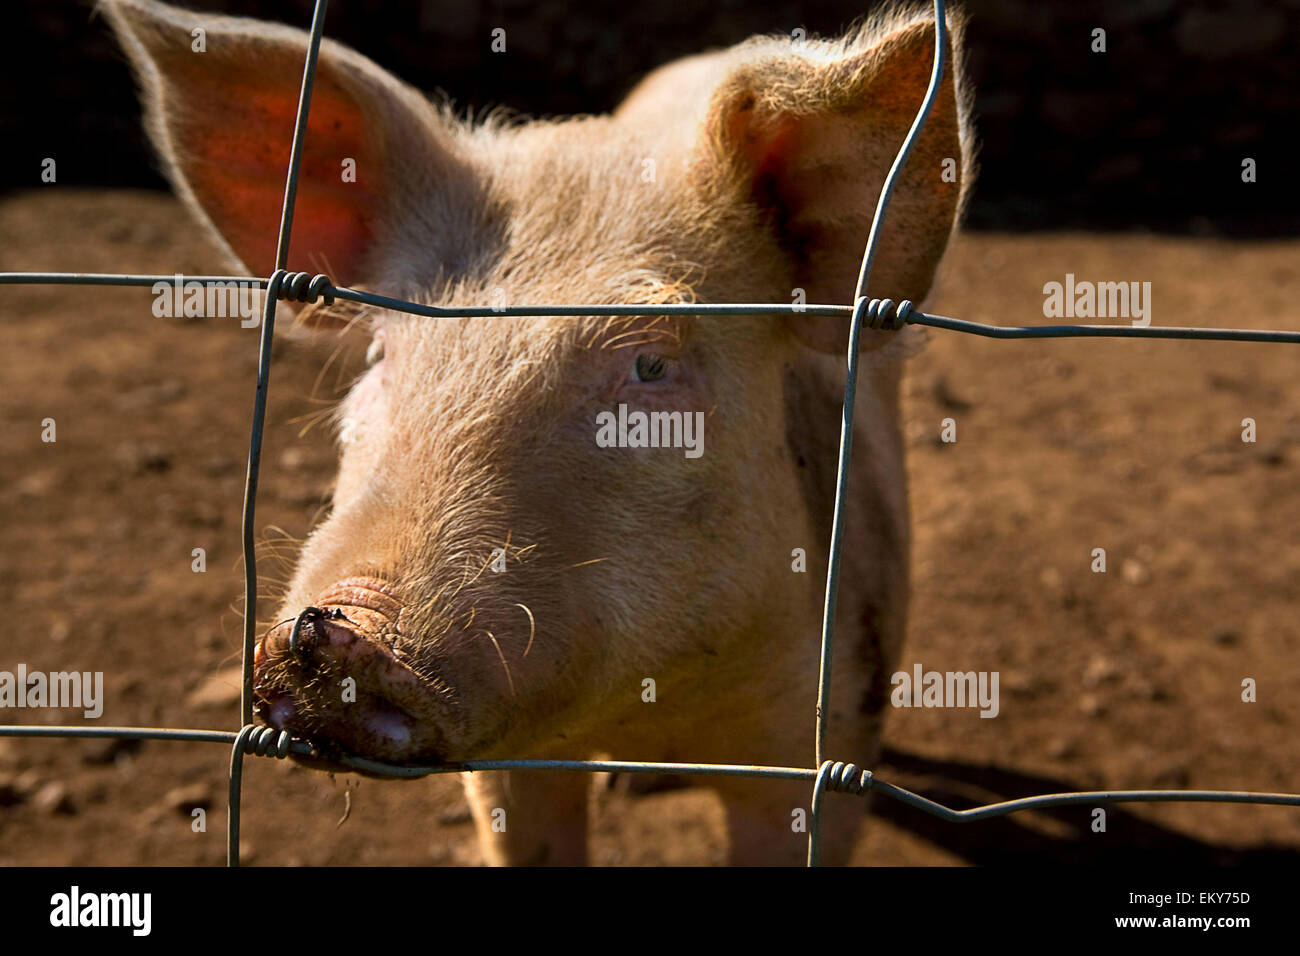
x=334 y=676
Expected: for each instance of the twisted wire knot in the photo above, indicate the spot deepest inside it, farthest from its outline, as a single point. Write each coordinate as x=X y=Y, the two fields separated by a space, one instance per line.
x=266 y=741
x=303 y=287
x=883 y=313
x=847 y=778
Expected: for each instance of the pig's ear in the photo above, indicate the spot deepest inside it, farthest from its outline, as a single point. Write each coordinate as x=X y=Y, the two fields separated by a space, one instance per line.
x=223 y=118
x=807 y=131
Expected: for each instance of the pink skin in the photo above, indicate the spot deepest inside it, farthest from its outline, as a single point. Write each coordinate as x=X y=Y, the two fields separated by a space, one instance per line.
x=345 y=634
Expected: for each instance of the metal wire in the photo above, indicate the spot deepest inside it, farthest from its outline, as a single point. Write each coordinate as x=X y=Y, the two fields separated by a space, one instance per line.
x=712 y=309
x=863 y=305
x=274 y=293
x=827 y=776
x=834 y=777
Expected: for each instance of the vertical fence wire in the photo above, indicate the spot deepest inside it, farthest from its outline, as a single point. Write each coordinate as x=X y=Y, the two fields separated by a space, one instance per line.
x=273 y=291
x=861 y=304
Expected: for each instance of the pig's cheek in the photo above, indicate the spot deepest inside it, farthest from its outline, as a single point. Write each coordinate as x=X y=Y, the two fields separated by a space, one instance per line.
x=367 y=399
x=362 y=414
x=364 y=411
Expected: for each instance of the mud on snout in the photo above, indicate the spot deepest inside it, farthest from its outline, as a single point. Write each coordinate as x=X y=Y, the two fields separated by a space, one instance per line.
x=335 y=676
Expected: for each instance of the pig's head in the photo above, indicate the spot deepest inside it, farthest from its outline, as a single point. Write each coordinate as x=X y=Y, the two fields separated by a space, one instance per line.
x=493 y=579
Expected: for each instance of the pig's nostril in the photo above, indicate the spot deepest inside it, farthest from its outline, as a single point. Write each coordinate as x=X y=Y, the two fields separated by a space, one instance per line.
x=308 y=616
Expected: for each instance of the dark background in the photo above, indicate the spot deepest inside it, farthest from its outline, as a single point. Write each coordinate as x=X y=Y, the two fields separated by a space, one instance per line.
x=1149 y=135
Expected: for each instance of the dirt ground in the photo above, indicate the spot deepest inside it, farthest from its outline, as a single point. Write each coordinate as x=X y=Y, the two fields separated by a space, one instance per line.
x=1127 y=679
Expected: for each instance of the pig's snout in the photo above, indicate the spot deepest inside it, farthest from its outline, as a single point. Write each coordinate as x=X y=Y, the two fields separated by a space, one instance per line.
x=334 y=676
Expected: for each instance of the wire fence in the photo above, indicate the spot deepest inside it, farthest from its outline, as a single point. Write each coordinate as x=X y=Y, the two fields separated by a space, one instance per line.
x=826 y=775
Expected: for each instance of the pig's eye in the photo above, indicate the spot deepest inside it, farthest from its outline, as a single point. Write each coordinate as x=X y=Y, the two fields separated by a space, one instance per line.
x=649 y=368
x=375 y=352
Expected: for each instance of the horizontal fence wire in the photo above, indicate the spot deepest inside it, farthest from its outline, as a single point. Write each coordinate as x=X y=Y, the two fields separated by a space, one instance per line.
x=826 y=775
x=702 y=309
x=866 y=781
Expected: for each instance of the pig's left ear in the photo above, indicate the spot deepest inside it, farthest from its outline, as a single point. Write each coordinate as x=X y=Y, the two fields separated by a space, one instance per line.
x=808 y=131
x=380 y=171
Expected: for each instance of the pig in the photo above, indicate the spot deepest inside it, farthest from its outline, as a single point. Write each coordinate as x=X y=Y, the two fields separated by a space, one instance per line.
x=494 y=582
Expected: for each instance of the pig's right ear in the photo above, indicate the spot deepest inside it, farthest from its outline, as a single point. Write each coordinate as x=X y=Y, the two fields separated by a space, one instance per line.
x=806 y=132
x=221 y=96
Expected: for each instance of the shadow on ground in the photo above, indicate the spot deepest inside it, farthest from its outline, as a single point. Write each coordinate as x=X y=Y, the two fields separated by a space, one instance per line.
x=1070 y=840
